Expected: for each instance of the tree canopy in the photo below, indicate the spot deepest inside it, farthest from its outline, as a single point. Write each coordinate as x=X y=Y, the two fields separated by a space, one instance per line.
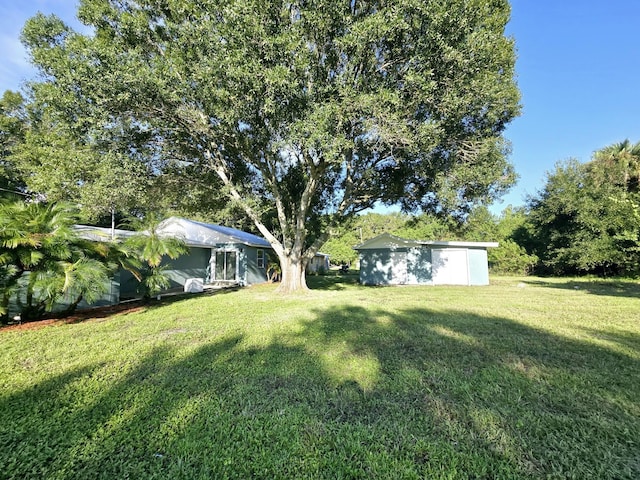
x=42 y=156
x=586 y=219
x=12 y=132
x=307 y=112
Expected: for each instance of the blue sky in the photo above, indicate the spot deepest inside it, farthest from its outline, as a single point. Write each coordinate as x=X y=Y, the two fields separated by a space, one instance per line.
x=578 y=71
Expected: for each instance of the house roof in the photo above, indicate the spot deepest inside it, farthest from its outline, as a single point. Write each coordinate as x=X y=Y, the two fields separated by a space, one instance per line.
x=101 y=234
x=386 y=240
x=200 y=234
x=194 y=234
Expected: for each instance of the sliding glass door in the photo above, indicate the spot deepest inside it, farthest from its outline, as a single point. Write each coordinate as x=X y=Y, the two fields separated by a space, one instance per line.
x=225 y=265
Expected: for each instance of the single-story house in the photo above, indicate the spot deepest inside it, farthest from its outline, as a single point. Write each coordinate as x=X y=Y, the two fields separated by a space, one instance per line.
x=217 y=255
x=390 y=260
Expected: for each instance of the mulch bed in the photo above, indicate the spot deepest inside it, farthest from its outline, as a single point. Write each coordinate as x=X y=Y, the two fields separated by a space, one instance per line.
x=79 y=316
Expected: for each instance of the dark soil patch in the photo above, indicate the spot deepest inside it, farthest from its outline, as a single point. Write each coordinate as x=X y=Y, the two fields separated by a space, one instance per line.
x=85 y=315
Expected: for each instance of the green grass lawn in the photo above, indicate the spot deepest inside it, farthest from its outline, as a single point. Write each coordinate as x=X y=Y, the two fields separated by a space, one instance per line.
x=526 y=378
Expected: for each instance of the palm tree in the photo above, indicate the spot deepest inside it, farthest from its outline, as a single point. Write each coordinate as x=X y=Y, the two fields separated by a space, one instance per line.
x=621 y=160
x=33 y=237
x=84 y=279
x=152 y=248
x=42 y=257
x=618 y=167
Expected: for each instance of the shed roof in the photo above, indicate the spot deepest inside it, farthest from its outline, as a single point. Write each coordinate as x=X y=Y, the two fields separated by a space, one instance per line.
x=200 y=234
x=386 y=240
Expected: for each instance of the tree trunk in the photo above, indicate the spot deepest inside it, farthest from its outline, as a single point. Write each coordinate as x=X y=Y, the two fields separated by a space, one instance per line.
x=293 y=274
x=4 y=304
x=73 y=306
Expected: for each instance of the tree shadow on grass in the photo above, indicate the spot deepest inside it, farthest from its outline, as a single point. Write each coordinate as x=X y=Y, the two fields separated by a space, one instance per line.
x=500 y=386
x=610 y=288
x=354 y=393
x=331 y=281
x=621 y=340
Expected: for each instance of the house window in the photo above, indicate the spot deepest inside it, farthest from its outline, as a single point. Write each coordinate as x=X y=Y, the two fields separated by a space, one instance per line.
x=261 y=259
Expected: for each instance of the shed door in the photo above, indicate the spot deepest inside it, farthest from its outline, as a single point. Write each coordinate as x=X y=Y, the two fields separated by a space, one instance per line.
x=450 y=267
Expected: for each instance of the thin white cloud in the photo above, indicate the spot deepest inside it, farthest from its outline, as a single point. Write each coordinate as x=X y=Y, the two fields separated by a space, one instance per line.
x=14 y=65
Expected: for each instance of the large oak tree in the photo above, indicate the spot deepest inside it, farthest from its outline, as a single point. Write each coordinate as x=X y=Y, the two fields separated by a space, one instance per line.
x=308 y=112
x=12 y=133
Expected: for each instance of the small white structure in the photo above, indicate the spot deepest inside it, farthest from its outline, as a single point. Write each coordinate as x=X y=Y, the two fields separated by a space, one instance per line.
x=319 y=262
x=391 y=260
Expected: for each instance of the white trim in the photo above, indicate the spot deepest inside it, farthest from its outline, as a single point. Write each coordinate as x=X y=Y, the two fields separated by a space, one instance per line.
x=213 y=261
x=387 y=240
x=461 y=244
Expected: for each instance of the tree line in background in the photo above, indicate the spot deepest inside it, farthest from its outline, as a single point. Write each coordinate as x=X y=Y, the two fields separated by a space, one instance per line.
x=585 y=220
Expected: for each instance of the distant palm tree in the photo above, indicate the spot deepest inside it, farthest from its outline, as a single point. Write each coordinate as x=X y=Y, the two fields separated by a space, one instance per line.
x=622 y=161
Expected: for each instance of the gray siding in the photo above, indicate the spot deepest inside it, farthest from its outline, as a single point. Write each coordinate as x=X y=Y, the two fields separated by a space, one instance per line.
x=401 y=266
x=248 y=271
x=111 y=296
x=128 y=285
x=196 y=262
x=375 y=267
x=414 y=266
x=191 y=265
x=251 y=273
